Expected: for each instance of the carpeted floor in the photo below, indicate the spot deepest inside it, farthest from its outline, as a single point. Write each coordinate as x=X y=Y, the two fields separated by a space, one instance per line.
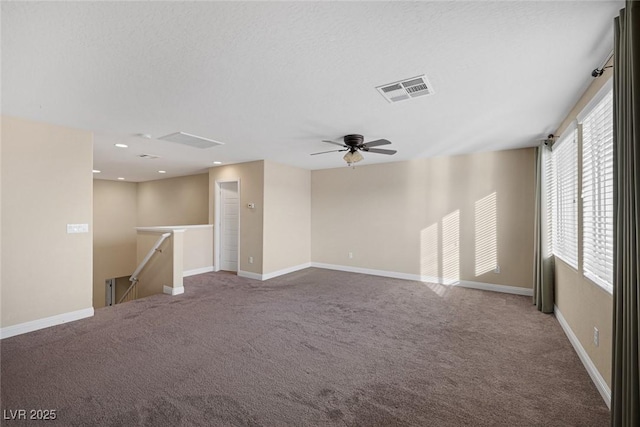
x=316 y=347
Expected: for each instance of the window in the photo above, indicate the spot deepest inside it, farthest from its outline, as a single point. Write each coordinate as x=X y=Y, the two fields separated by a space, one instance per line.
x=597 y=191
x=548 y=176
x=564 y=198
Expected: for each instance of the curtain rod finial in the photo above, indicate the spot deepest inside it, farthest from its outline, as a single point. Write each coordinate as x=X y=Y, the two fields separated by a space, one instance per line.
x=599 y=71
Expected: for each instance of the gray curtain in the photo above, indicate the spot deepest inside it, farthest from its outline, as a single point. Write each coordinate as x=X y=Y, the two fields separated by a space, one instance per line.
x=625 y=393
x=543 y=287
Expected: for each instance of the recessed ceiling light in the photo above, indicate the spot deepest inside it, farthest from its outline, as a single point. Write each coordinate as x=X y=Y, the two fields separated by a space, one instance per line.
x=96 y=171
x=121 y=145
x=121 y=178
x=162 y=171
x=217 y=163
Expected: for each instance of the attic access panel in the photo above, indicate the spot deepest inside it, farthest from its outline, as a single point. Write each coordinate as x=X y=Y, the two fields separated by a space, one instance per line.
x=190 y=140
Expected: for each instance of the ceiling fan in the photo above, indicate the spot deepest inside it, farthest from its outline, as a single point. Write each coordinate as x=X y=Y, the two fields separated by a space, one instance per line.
x=353 y=144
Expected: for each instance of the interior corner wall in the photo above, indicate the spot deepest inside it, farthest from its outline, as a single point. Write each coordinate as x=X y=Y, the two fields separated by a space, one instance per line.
x=115 y=216
x=46 y=184
x=251 y=177
x=583 y=304
x=1 y=121
x=452 y=218
x=287 y=217
x=174 y=201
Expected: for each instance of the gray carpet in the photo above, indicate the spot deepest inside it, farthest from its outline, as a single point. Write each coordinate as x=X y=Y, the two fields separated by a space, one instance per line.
x=316 y=347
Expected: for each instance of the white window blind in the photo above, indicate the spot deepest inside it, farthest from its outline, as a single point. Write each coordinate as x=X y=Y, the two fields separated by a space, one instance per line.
x=565 y=206
x=548 y=195
x=597 y=192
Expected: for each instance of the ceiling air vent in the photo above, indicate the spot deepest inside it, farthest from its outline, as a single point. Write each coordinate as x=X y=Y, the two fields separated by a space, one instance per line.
x=190 y=140
x=406 y=89
x=148 y=156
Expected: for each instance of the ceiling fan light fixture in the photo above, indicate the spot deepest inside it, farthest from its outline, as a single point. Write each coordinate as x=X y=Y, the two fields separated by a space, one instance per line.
x=353 y=143
x=352 y=157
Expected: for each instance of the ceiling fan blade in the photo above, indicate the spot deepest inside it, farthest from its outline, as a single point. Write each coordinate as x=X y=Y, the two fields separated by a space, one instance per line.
x=376 y=143
x=380 y=151
x=334 y=143
x=324 y=152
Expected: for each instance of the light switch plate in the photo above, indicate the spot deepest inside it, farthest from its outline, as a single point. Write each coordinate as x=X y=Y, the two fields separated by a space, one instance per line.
x=77 y=228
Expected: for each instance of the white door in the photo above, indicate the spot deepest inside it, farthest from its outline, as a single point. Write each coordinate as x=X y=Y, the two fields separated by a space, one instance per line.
x=229 y=225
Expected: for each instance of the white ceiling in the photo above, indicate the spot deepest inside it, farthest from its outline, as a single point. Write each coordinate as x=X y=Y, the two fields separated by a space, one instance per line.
x=272 y=79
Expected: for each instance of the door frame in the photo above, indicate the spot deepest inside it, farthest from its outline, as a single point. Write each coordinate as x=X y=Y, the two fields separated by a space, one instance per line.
x=217 y=195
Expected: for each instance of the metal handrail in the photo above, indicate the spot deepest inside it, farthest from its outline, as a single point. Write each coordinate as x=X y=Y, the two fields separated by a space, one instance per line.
x=134 y=277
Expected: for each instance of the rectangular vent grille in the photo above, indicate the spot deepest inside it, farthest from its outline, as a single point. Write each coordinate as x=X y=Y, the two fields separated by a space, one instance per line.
x=417 y=88
x=148 y=156
x=406 y=89
x=391 y=88
x=190 y=140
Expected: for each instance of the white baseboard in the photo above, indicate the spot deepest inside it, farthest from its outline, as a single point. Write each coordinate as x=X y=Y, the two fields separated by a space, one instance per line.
x=393 y=274
x=34 y=325
x=249 y=275
x=597 y=379
x=416 y=277
x=195 y=271
x=173 y=291
x=350 y=269
x=267 y=276
x=285 y=271
x=516 y=290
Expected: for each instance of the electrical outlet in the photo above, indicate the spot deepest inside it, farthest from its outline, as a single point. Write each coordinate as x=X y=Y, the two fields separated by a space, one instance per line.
x=497 y=269
x=596 y=336
x=350 y=254
x=250 y=260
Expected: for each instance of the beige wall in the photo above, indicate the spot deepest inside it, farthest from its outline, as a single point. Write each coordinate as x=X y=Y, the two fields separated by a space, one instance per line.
x=426 y=217
x=174 y=201
x=1 y=136
x=287 y=217
x=115 y=216
x=251 y=176
x=198 y=247
x=159 y=271
x=46 y=184
x=122 y=284
x=584 y=304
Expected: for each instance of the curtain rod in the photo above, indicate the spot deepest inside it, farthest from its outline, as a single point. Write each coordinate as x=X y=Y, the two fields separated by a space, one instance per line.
x=599 y=71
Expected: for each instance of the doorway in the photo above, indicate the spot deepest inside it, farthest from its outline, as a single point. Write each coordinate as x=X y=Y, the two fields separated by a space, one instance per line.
x=228 y=225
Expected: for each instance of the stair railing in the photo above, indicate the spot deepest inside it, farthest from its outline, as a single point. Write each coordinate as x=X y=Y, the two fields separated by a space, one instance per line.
x=132 y=291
